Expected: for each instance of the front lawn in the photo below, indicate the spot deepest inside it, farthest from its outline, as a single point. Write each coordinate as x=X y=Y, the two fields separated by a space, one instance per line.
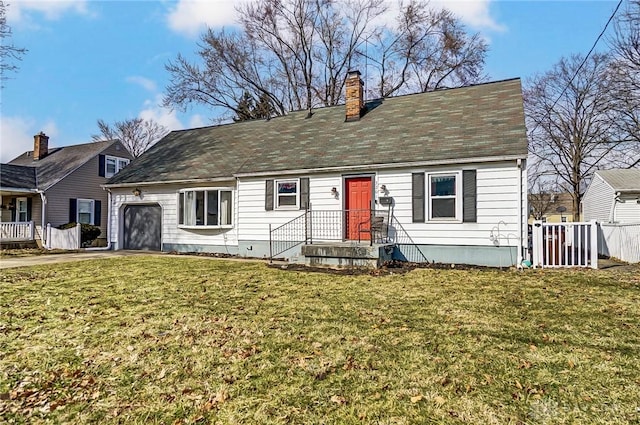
x=153 y=339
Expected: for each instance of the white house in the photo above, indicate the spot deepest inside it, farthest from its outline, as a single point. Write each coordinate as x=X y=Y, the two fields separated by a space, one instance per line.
x=613 y=197
x=446 y=169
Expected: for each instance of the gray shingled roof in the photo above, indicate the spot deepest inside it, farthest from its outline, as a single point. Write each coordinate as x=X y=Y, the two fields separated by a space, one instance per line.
x=17 y=177
x=59 y=162
x=481 y=121
x=622 y=180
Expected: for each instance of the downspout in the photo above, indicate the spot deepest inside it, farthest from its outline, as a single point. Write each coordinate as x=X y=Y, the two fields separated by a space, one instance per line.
x=612 y=211
x=43 y=217
x=520 y=239
x=108 y=247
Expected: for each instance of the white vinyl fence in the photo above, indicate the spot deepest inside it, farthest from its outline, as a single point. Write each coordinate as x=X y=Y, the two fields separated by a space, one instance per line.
x=621 y=241
x=64 y=239
x=565 y=244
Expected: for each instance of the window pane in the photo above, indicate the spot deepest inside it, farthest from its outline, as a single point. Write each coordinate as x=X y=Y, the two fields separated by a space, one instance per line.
x=84 y=218
x=22 y=216
x=200 y=208
x=111 y=166
x=443 y=208
x=212 y=208
x=181 y=209
x=443 y=186
x=85 y=206
x=122 y=163
x=225 y=208
x=286 y=200
x=189 y=208
x=287 y=187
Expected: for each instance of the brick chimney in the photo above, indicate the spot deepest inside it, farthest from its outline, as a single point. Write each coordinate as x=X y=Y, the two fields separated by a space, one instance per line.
x=40 y=146
x=354 y=96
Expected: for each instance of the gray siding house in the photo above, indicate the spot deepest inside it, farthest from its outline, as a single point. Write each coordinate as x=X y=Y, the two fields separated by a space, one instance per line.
x=443 y=172
x=57 y=186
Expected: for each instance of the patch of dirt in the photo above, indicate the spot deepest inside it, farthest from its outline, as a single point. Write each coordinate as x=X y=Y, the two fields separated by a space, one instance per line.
x=205 y=254
x=388 y=268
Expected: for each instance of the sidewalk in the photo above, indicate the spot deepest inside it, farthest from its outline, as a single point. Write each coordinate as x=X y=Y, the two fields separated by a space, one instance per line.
x=34 y=260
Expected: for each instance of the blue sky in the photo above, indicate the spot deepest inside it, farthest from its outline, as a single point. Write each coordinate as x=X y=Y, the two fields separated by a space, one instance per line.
x=91 y=60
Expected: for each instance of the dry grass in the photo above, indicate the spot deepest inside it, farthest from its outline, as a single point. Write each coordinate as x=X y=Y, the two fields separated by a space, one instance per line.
x=188 y=340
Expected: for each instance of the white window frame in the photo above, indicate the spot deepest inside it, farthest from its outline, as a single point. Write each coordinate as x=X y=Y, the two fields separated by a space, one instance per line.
x=276 y=203
x=206 y=190
x=119 y=164
x=92 y=209
x=19 y=202
x=457 y=197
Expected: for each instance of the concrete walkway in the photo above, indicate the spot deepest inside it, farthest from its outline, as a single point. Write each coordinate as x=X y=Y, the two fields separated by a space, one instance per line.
x=35 y=260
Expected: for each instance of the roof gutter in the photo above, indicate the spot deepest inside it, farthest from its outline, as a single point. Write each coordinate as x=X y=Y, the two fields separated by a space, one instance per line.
x=154 y=183
x=386 y=166
x=43 y=218
x=18 y=190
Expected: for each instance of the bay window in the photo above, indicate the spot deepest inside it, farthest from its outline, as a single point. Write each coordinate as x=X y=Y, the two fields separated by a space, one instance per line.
x=206 y=207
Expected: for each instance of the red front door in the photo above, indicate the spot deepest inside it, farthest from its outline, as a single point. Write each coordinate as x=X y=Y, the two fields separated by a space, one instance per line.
x=358 y=205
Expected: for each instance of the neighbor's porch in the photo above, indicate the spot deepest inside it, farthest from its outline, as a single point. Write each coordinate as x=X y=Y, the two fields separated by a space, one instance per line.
x=17 y=218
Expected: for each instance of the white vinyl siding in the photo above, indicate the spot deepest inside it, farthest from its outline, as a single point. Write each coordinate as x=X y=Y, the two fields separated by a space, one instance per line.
x=497 y=205
x=167 y=197
x=597 y=201
x=627 y=211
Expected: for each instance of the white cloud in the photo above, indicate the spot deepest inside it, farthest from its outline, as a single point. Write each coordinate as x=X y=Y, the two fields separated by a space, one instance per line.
x=166 y=117
x=191 y=17
x=475 y=13
x=17 y=134
x=196 y=121
x=145 y=83
x=52 y=10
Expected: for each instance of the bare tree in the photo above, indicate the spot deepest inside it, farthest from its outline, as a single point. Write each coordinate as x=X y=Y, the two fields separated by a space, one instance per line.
x=9 y=53
x=296 y=54
x=572 y=133
x=427 y=49
x=625 y=71
x=136 y=134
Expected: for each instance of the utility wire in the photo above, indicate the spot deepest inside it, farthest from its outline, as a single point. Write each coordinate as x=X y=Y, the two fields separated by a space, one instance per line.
x=581 y=65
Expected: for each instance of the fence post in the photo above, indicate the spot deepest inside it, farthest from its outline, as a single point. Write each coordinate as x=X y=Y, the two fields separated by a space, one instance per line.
x=270 y=245
x=310 y=223
x=48 y=242
x=538 y=243
x=594 y=244
x=79 y=235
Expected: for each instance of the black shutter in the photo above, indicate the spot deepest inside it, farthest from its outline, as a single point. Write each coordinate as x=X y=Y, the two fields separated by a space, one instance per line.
x=14 y=208
x=73 y=210
x=101 y=165
x=470 y=198
x=97 y=210
x=304 y=193
x=29 y=206
x=417 y=197
x=268 y=195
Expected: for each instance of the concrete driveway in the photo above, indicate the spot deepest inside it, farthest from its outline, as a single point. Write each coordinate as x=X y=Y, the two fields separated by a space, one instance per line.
x=34 y=260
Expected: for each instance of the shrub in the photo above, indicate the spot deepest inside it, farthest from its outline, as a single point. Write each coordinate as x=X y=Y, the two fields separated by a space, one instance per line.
x=88 y=232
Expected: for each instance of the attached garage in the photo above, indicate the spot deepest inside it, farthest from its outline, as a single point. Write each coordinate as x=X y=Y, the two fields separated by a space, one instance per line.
x=143 y=227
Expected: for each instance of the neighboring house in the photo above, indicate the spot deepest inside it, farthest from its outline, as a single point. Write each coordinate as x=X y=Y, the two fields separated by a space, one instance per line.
x=555 y=207
x=449 y=165
x=57 y=186
x=613 y=196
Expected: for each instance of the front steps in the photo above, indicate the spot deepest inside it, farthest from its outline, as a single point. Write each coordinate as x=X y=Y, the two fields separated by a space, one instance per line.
x=346 y=254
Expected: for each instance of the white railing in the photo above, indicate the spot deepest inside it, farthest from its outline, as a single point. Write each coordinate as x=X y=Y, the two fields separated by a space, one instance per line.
x=621 y=241
x=17 y=231
x=565 y=244
x=64 y=238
